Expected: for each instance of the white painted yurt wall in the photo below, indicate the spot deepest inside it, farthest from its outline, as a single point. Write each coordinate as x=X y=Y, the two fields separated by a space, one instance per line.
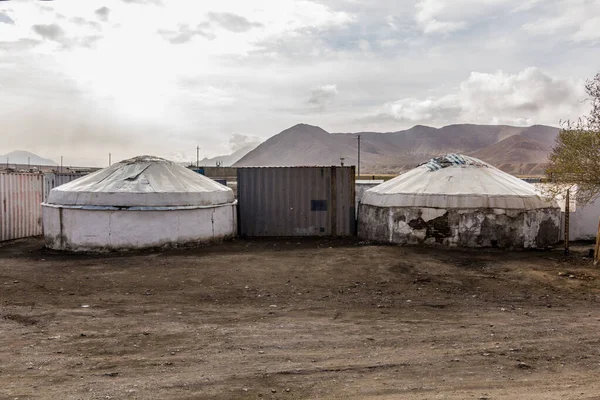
x=87 y=230
x=458 y=201
x=139 y=203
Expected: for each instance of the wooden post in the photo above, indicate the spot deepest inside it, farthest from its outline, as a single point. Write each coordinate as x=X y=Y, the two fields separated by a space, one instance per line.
x=597 y=247
x=358 y=156
x=567 y=212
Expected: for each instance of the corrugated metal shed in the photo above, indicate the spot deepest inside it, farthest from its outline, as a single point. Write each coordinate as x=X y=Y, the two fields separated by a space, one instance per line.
x=296 y=201
x=53 y=180
x=20 y=211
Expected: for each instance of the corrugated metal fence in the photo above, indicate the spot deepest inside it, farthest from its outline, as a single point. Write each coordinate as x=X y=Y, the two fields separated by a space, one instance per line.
x=53 y=180
x=280 y=201
x=20 y=199
x=296 y=201
x=20 y=211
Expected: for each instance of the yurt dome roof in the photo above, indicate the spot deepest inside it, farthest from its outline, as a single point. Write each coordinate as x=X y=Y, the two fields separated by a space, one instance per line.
x=456 y=181
x=143 y=181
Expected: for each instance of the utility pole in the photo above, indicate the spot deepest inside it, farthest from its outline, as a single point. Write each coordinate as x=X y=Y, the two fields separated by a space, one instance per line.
x=358 y=157
x=6 y=162
x=109 y=160
x=342 y=160
x=28 y=162
x=197 y=156
x=61 y=164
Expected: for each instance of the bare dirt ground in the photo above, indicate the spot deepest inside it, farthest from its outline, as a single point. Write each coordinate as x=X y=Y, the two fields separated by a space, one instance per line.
x=298 y=319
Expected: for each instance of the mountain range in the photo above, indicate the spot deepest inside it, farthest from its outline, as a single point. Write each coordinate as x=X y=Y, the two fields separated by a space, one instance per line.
x=517 y=150
x=25 y=158
x=227 y=160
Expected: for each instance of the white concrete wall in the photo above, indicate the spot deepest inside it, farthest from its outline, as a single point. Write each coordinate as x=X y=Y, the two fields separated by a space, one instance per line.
x=99 y=230
x=583 y=219
x=361 y=186
x=583 y=223
x=460 y=227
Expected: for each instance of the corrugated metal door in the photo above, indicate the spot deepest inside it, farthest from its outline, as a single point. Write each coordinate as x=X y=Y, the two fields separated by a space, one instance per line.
x=20 y=211
x=296 y=201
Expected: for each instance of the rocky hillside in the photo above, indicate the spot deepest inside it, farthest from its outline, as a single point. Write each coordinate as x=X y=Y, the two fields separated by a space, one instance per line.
x=518 y=150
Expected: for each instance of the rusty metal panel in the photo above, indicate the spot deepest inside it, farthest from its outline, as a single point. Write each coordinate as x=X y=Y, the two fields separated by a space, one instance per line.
x=20 y=210
x=296 y=201
x=53 y=180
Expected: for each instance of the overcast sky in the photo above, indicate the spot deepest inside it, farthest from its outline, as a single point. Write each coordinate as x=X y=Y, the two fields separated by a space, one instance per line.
x=84 y=78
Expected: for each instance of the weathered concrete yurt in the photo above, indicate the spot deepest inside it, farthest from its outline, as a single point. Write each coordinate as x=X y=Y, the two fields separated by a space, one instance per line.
x=457 y=200
x=138 y=203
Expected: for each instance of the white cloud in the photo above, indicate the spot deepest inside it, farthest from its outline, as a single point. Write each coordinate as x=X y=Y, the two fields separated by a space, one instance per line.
x=577 y=19
x=211 y=96
x=239 y=141
x=428 y=15
x=430 y=109
x=364 y=45
x=103 y=13
x=447 y=16
x=322 y=96
x=527 y=5
x=528 y=97
x=390 y=19
x=233 y=22
x=5 y=19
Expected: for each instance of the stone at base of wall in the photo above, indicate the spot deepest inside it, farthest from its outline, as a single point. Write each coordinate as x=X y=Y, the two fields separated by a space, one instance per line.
x=158 y=248
x=501 y=228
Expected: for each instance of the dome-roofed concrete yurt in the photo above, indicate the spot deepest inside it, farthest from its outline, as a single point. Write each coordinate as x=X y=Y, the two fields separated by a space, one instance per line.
x=457 y=200
x=138 y=203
